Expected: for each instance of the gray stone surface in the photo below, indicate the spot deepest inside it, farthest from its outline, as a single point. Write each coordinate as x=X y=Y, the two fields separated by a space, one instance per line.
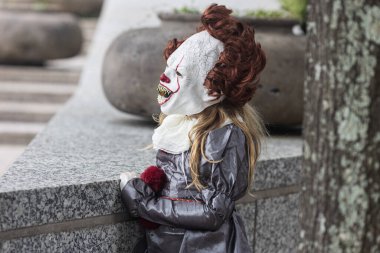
x=50 y=205
x=109 y=238
x=32 y=38
x=272 y=223
x=134 y=63
x=43 y=185
x=248 y=214
x=277 y=173
x=96 y=149
x=277 y=227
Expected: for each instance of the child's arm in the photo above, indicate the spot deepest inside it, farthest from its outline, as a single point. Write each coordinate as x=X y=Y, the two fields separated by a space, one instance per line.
x=218 y=198
x=186 y=214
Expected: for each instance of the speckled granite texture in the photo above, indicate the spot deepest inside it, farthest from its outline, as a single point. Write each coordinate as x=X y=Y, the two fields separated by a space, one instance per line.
x=50 y=205
x=248 y=213
x=113 y=238
x=272 y=223
x=277 y=173
x=277 y=227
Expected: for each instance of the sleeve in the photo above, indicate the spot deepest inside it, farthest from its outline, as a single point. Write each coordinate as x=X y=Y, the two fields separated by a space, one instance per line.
x=218 y=200
x=133 y=193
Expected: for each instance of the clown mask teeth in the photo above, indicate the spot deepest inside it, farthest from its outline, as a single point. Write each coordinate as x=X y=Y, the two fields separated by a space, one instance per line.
x=164 y=94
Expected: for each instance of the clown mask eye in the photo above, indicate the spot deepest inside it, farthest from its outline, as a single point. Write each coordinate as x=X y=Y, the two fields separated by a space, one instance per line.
x=179 y=74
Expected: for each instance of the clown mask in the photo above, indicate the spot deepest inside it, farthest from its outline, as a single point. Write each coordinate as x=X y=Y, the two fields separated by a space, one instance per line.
x=181 y=89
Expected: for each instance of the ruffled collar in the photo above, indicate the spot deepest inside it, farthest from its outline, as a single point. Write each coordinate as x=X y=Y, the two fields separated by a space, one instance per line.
x=172 y=136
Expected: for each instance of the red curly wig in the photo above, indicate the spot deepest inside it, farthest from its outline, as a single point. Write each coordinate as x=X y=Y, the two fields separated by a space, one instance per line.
x=236 y=72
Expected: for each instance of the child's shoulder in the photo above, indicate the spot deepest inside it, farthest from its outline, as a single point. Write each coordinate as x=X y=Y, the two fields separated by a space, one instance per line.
x=225 y=132
x=223 y=138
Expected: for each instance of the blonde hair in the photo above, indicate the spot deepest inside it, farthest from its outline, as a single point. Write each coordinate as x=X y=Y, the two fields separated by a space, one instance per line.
x=212 y=118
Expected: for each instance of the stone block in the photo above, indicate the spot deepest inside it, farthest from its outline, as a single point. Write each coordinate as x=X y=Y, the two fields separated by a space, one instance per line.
x=279 y=164
x=119 y=237
x=277 y=224
x=248 y=213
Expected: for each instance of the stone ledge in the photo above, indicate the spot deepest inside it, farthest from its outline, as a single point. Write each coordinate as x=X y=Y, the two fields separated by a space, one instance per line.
x=55 y=181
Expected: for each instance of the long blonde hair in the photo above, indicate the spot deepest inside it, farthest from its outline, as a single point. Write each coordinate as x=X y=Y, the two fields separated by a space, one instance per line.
x=212 y=118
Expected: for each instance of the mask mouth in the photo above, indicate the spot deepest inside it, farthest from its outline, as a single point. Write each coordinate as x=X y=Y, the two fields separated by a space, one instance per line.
x=164 y=94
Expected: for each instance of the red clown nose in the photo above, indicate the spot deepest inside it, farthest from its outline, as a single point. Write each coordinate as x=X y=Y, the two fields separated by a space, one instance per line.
x=164 y=78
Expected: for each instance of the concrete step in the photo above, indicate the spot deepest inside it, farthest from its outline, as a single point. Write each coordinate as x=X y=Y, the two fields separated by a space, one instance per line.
x=27 y=112
x=88 y=26
x=38 y=74
x=73 y=64
x=40 y=93
x=18 y=132
x=8 y=154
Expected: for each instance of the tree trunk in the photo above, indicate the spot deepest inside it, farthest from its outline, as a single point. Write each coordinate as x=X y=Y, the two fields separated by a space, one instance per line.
x=340 y=199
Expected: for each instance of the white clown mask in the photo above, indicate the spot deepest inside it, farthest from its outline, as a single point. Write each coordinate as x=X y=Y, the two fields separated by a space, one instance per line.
x=181 y=89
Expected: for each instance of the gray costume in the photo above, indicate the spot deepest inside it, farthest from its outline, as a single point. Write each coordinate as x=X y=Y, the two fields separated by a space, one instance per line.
x=192 y=221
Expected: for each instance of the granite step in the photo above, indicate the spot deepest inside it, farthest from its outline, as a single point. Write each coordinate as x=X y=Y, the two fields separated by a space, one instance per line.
x=27 y=112
x=41 y=93
x=18 y=132
x=88 y=26
x=35 y=74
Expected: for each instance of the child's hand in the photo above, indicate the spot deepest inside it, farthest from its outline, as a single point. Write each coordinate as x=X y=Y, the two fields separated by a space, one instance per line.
x=125 y=177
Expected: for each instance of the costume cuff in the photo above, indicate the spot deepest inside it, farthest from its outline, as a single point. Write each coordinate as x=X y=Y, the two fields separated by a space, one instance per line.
x=133 y=193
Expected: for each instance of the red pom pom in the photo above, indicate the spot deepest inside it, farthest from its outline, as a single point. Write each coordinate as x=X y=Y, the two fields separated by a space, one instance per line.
x=154 y=177
x=148 y=224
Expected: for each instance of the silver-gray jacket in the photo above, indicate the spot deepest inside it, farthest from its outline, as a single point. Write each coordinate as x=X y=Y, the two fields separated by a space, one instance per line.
x=192 y=221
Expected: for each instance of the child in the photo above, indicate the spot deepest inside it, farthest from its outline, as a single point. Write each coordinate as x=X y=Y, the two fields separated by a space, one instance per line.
x=208 y=140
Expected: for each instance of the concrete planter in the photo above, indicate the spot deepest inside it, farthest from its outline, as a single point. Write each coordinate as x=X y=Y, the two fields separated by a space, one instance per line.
x=134 y=63
x=34 y=37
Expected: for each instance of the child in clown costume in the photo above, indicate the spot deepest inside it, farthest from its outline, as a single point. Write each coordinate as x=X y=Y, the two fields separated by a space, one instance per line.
x=207 y=143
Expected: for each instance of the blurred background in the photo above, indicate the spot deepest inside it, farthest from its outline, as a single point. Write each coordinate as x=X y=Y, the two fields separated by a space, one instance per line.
x=44 y=44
